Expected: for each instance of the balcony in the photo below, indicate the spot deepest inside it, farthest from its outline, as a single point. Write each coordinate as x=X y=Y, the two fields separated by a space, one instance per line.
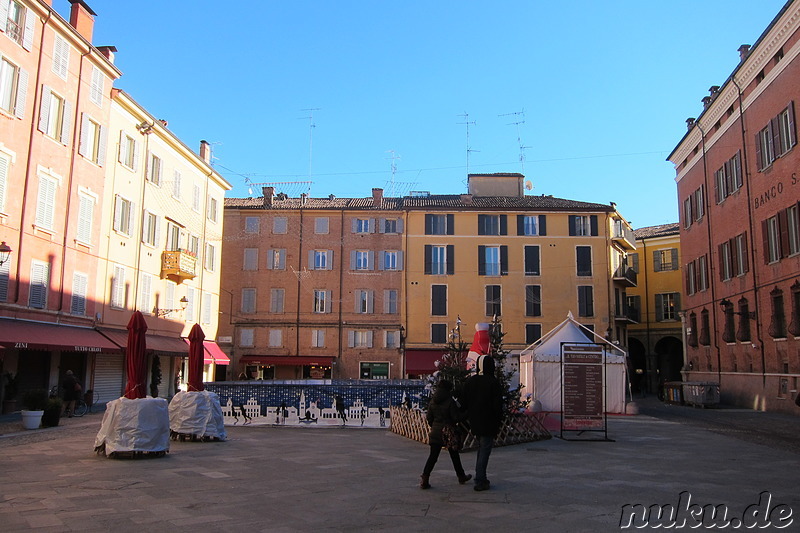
x=629 y=315
x=623 y=235
x=626 y=275
x=178 y=265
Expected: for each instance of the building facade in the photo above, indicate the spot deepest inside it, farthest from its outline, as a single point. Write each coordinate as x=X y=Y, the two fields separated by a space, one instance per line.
x=740 y=230
x=375 y=287
x=655 y=341
x=63 y=305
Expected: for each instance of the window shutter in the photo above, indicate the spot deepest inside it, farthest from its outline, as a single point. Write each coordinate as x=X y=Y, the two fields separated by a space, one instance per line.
x=79 y=284
x=5 y=270
x=66 y=122
x=371 y=260
x=39 y=285
x=351 y=342
x=136 y=156
x=572 y=224
x=759 y=160
x=520 y=224
x=400 y=225
x=381 y=225
x=22 y=93
x=145 y=292
x=381 y=260
x=657 y=260
x=676 y=297
x=792 y=136
x=428 y=224
x=354 y=225
x=504 y=260
x=428 y=257
x=400 y=261
x=148 y=171
x=3 y=180
x=27 y=37
x=775 y=130
x=783 y=230
x=207 y=310
x=542 y=224
x=481 y=260
x=450 y=224
x=353 y=259
x=673 y=252
x=503 y=225
x=102 y=146
x=765 y=237
x=659 y=307
x=131 y=210
x=482 y=224
x=369 y=339
x=593 y=222
x=4 y=15
x=744 y=253
x=371 y=225
x=386 y=296
x=357 y=300
x=370 y=302
x=451 y=259
x=311 y=265
x=84 y=135
x=328 y=301
x=44 y=109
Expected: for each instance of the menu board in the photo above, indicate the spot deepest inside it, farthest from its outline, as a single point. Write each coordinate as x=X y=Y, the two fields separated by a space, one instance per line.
x=582 y=382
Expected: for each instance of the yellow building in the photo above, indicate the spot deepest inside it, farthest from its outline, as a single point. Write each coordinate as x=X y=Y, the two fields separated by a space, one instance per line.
x=529 y=260
x=654 y=340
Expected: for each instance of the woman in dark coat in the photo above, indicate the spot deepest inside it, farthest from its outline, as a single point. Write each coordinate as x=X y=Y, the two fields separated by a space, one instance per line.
x=442 y=411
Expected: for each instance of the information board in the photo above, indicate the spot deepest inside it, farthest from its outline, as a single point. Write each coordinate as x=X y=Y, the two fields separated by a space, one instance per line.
x=583 y=387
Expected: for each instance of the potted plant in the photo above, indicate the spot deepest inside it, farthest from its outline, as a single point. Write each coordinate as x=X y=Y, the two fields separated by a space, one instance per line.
x=52 y=413
x=34 y=402
x=10 y=396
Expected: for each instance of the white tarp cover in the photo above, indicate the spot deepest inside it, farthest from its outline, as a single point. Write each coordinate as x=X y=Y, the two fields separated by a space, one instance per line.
x=540 y=367
x=140 y=425
x=197 y=413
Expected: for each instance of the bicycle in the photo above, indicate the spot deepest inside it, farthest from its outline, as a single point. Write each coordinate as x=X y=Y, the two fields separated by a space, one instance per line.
x=81 y=407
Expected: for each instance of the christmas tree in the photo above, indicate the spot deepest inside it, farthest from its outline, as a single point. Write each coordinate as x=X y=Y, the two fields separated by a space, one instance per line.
x=512 y=397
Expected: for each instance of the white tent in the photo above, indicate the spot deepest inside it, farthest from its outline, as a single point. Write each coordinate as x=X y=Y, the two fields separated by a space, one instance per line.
x=540 y=366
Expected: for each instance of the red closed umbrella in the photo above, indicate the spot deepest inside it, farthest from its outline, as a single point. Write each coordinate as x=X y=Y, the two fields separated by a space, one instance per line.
x=136 y=357
x=196 y=358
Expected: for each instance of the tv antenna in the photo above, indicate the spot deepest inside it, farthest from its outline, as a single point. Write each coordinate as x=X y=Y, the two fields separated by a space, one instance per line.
x=467 y=123
x=520 y=120
x=394 y=157
x=311 y=127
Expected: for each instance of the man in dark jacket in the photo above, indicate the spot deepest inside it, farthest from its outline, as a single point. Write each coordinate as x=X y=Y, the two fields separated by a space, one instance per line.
x=482 y=398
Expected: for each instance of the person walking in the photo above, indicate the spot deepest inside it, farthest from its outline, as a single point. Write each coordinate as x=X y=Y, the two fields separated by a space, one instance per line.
x=72 y=392
x=482 y=399
x=443 y=416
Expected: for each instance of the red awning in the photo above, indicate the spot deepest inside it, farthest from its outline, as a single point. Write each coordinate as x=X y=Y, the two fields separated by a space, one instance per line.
x=214 y=353
x=287 y=360
x=422 y=361
x=157 y=344
x=42 y=336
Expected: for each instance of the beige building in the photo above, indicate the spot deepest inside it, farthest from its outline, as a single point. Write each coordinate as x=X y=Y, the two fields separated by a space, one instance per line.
x=162 y=241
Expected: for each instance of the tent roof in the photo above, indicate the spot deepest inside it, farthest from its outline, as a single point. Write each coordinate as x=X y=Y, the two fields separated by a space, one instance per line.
x=548 y=348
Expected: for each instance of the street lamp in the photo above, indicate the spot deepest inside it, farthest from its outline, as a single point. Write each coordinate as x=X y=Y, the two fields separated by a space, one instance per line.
x=164 y=312
x=5 y=252
x=727 y=304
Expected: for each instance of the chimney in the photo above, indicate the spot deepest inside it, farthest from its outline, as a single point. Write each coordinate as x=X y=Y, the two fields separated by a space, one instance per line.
x=205 y=149
x=108 y=52
x=706 y=102
x=377 y=197
x=303 y=198
x=744 y=51
x=163 y=122
x=268 y=192
x=466 y=199
x=690 y=123
x=81 y=17
x=714 y=89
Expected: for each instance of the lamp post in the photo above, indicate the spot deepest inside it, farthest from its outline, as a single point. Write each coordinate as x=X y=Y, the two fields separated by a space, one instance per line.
x=5 y=252
x=164 y=312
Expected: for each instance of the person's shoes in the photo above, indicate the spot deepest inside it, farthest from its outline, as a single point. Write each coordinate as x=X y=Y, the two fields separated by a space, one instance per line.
x=482 y=485
x=464 y=478
x=423 y=481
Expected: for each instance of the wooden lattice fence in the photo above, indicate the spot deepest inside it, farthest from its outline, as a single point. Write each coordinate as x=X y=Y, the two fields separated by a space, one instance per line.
x=516 y=429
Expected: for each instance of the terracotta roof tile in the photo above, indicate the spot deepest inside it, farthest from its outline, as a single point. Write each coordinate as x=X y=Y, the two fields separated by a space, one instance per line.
x=663 y=230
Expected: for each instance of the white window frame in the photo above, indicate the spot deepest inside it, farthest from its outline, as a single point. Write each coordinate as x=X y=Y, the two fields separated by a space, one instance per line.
x=276 y=259
x=362 y=260
x=530 y=225
x=365 y=301
x=361 y=225
x=61 y=53
x=317 y=338
x=19 y=23
x=322 y=301
x=210 y=258
x=492 y=267
x=13 y=87
x=438 y=260
x=391 y=260
x=128 y=151
x=792 y=214
x=212 y=213
x=150 y=228
x=93 y=140
x=583 y=225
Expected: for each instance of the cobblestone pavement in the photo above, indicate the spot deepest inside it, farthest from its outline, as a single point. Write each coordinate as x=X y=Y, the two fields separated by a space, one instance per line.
x=353 y=479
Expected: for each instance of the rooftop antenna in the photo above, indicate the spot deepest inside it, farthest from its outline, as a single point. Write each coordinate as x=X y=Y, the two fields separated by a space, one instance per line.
x=467 y=123
x=520 y=120
x=394 y=158
x=311 y=127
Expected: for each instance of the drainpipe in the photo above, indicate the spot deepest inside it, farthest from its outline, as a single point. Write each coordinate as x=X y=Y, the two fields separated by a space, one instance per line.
x=646 y=310
x=341 y=292
x=29 y=163
x=746 y=181
x=299 y=282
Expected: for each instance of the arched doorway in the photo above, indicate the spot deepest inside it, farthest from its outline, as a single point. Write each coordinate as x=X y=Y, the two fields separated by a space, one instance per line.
x=637 y=361
x=669 y=357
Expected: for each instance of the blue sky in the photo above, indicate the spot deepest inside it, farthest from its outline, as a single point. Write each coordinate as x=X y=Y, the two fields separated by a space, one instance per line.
x=605 y=88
